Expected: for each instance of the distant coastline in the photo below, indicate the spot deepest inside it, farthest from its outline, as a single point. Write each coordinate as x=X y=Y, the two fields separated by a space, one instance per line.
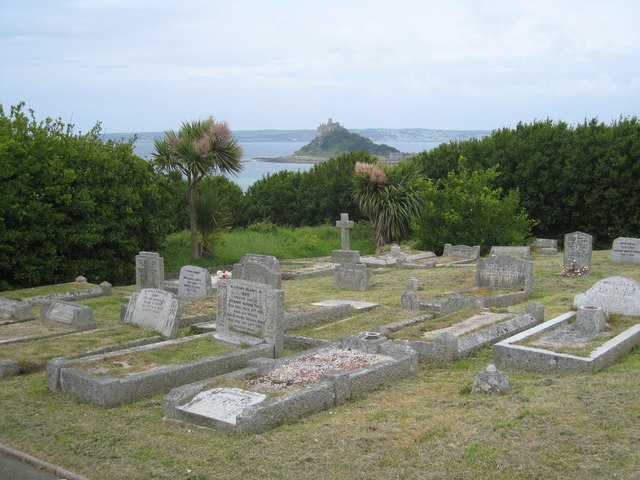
x=293 y=159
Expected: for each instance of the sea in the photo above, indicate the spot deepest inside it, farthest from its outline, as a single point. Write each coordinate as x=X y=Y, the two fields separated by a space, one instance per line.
x=253 y=152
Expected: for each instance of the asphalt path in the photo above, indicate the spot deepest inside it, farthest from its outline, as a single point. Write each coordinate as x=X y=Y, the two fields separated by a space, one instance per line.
x=16 y=465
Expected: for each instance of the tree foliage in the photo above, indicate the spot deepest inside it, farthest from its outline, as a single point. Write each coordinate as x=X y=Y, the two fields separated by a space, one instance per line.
x=570 y=178
x=463 y=208
x=314 y=197
x=199 y=149
x=73 y=204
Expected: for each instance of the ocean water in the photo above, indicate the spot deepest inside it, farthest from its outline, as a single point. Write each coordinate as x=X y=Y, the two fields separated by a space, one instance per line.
x=255 y=169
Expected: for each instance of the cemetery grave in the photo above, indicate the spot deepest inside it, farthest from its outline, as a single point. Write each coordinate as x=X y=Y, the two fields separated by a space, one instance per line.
x=439 y=391
x=303 y=384
x=457 y=334
x=604 y=327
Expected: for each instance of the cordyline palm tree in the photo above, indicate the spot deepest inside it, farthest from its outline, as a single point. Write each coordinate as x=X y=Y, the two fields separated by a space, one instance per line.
x=388 y=196
x=200 y=148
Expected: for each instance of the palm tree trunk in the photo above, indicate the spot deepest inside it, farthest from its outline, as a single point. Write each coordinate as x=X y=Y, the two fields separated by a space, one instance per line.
x=193 y=220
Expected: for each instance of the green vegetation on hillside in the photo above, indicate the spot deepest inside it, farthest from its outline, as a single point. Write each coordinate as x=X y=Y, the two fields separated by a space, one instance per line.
x=340 y=140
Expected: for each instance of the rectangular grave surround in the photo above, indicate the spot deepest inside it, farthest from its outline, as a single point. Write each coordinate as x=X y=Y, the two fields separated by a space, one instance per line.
x=333 y=388
x=456 y=346
x=507 y=353
x=110 y=391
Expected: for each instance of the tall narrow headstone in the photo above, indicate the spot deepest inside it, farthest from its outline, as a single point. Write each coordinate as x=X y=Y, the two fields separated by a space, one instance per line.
x=149 y=270
x=578 y=248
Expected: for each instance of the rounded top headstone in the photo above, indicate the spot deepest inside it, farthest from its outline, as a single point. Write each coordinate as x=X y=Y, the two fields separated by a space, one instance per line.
x=81 y=278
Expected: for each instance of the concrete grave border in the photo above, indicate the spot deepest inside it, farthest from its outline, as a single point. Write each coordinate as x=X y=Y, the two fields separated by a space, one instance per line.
x=333 y=388
x=448 y=348
x=508 y=354
x=109 y=391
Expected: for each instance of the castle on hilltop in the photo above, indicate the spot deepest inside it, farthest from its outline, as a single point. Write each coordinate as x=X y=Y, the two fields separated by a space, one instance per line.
x=325 y=128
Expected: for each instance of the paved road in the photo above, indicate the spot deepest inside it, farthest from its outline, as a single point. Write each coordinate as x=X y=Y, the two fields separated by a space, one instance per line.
x=14 y=469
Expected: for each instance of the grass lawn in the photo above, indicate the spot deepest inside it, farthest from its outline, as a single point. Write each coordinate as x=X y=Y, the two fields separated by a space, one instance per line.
x=426 y=427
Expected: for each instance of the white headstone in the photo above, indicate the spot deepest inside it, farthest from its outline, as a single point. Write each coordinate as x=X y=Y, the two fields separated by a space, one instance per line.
x=154 y=309
x=615 y=295
x=223 y=404
x=626 y=250
x=194 y=283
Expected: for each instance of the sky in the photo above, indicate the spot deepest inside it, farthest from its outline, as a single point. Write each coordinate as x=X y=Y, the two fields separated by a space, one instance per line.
x=149 y=65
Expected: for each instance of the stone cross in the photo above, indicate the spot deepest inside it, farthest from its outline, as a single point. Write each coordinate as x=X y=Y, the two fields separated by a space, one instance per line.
x=345 y=225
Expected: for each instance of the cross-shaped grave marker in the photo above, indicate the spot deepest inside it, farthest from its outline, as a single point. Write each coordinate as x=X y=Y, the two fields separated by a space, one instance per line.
x=344 y=224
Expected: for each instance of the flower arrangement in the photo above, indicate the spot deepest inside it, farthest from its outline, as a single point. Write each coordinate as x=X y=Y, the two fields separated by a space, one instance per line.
x=223 y=274
x=574 y=270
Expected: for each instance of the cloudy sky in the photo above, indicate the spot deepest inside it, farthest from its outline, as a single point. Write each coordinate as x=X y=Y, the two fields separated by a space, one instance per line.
x=148 y=65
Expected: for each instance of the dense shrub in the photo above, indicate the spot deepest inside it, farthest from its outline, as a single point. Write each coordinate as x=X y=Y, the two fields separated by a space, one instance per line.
x=463 y=208
x=73 y=205
x=569 y=178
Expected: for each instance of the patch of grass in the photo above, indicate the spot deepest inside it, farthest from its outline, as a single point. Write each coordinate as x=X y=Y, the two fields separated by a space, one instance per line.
x=136 y=362
x=283 y=243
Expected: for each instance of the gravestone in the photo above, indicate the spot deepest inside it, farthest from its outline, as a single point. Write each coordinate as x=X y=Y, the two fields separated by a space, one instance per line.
x=78 y=317
x=520 y=252
x=546 y=246
x=491 y=381
x=194 y=283
x=505 y=272
x=149 y=270
x=352 y=276
x=578 y=248
x=154 y=309
x=461 y=251
x=396 y=253
x=16 y=310
x=345 y=254
x=413 y=284
x=626 y=250
x=250 y=313
x=258 y=268
x=615 y=295
x=223 y=404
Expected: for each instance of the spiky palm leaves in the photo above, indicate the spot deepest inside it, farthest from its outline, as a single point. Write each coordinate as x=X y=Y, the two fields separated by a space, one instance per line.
x=388 y=196
x=200 y=148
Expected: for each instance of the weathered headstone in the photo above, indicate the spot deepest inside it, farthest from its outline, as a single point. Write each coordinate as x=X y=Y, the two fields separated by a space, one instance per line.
x=154 y=309
x=149 y=270
x=520 y=252
x=413 y=284
x=250 y=313
x=352 y=276
x=626 y=250
x=345 y=254
x=396 y=253
x=461 y=251
x=578 y=248
x=505 y=271
x=615 y=295
x=491 y=381
x=546 y=243
x=258 y=268
x=16 y=310
x=194 y=283
x=76 y=316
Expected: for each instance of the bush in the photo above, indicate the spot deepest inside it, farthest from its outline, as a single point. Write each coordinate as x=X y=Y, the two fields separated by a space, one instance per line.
x=463 y=209
x=73 y=205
